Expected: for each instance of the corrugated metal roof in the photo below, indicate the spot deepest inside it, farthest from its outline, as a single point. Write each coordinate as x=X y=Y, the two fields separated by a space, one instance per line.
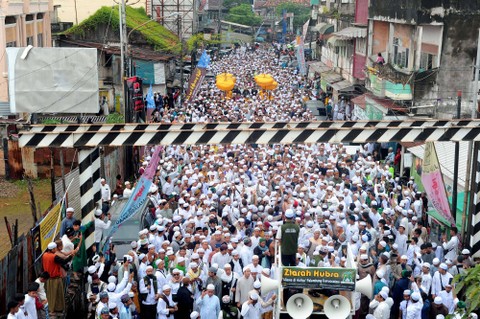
x=319 y=67
x=5 y=109
x=446 y=157
x=351 y=32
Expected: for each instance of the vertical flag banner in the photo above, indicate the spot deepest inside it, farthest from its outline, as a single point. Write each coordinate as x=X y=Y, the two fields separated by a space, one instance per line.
x=139 y=196
x=301 y=56
x=305 y=29
x=433 y=182
x=150 y=100
x=284 y=25
x=197 y=77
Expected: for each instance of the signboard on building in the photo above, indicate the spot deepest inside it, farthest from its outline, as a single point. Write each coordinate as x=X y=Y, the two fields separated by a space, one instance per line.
x=319 y=278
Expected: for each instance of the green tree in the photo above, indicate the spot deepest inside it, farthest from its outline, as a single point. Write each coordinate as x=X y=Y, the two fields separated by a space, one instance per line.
x=468 y=285
x=300 y=12
x=243 y=14
x=228 y=4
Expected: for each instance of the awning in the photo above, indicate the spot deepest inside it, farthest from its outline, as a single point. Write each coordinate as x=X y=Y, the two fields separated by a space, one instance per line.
x=342 y=86
x=323 y=28
x=387 y=104
x=351 y=33
x=335 y=41
x=360 y=101
x=331 y=77
x=318 y=67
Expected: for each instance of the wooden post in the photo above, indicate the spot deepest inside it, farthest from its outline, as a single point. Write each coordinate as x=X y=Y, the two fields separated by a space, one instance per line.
x=15 y=233
x=9 y=230
x=33 y=206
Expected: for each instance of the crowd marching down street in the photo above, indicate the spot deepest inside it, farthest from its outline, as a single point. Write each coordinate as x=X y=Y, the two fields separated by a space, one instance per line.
x=217 y=212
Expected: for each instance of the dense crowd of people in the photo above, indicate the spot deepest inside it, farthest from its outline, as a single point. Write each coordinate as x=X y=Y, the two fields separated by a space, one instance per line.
x=219 y=215
x=246 y=104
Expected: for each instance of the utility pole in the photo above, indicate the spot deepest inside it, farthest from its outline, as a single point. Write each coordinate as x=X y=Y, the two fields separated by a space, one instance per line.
x=124 y=70
x=455 y=167
x=180 y=34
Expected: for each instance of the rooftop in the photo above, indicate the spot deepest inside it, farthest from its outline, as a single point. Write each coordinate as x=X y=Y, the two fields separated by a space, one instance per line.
x=155 y=34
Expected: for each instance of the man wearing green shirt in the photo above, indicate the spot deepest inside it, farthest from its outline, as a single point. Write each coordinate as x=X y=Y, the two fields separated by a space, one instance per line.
x=80 y=259
x=288 y=237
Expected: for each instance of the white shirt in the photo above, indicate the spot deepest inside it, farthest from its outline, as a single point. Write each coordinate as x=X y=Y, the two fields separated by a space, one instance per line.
x=68 y=246
x=414 y=310
x=220 y=259
x=438 y=281
x=30 y=307
x=162 y=307
x=127 y=192
x=251 y=311
x=100 y=225
x=447 y=300
x=426 y=282
x=106 y=193
x=451 y=248
x=382 y=311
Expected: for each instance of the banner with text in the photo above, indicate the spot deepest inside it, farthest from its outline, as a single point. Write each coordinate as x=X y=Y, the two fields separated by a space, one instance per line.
x=194 y=84
x=197 y=77
x=302 y=68
x=50 y=226
x=139 y=195
x=319 y=278
x=432 y=181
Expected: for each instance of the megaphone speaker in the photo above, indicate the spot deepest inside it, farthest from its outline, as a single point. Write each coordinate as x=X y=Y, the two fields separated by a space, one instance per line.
x=268 y=285
x=337 y=306
x=299 y=306
x=365 y=286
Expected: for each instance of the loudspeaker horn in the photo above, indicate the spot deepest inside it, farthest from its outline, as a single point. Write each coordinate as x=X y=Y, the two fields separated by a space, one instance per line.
x=268 y=285
x=337 y=306
x=365 y=286
x=299 y=306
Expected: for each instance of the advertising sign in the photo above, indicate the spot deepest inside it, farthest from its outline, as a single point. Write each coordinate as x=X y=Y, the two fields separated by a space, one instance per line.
x=319 y=278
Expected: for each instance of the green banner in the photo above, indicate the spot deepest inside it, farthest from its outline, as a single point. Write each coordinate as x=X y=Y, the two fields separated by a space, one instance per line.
x=319 y=278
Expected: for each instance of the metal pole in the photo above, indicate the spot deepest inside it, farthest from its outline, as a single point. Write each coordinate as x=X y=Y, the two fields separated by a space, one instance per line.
x=402 y=154
x=466 y=191
x=468 y=231
x=475 y=83
x=455 y=166
x=473 y=191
